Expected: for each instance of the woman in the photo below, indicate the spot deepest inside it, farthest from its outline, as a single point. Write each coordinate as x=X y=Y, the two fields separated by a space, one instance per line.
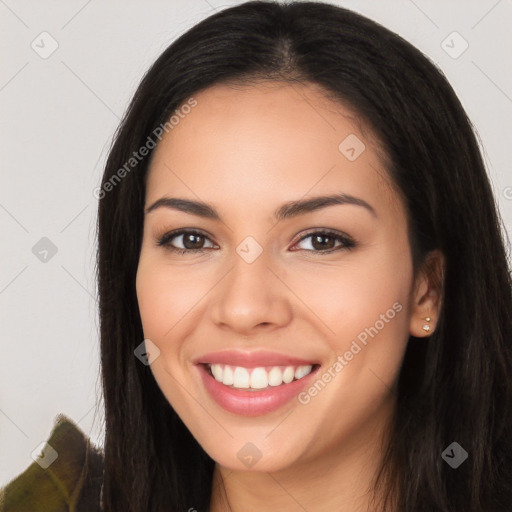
x=305 y=300
x=268 y=104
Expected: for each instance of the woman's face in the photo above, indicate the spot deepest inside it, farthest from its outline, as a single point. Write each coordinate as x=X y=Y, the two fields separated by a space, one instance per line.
x=270 y=291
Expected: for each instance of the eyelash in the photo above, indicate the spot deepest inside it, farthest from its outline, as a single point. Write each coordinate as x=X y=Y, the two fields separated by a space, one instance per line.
x=348 y=242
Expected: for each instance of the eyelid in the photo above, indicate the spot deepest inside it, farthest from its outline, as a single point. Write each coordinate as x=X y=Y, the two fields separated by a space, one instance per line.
x=347 y=242
x=163 y=239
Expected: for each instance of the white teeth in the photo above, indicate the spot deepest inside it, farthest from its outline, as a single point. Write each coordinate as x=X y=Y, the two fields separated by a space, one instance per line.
x=227 y=378
x=302 y=371
x=275 y=376
x=217 y=372
x=241 y=378
x=288 y=374
x=257 y=378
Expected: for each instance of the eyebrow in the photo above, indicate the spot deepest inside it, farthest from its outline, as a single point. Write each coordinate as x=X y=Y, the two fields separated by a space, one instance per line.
x=285 y=211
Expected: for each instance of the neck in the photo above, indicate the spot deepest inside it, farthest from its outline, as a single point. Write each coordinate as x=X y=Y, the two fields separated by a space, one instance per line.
x=339 y=478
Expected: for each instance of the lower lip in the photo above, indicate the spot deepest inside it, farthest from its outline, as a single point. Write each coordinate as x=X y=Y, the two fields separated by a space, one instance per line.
x=253 y=403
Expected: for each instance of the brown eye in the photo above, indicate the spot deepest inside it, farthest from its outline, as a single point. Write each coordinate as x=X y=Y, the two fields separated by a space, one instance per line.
x=325 y=241
x=191 y=241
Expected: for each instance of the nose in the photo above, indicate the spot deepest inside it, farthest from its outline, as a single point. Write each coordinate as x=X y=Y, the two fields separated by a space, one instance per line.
x=251 y=297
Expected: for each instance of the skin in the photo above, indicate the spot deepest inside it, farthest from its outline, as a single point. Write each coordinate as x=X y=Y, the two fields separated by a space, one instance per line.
x=246 y=150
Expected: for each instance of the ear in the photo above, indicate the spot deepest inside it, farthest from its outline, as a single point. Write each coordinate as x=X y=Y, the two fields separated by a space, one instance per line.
x=427 y=295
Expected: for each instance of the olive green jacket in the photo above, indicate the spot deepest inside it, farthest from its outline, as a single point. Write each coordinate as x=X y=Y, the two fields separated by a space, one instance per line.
x=71 y=482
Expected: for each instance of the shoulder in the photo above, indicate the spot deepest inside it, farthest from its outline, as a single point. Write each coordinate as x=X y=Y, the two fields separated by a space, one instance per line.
x=67 y=475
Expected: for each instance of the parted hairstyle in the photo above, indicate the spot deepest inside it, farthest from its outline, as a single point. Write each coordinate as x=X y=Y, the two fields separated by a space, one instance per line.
x=453 y=386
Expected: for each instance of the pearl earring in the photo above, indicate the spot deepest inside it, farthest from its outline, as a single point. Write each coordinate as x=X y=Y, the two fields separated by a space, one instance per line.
x=426 y=327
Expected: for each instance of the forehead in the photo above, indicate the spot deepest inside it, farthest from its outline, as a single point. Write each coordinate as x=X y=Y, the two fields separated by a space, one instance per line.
x=274 y=140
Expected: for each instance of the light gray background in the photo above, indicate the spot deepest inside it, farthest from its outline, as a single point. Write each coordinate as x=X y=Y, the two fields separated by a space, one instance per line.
x=57 y=118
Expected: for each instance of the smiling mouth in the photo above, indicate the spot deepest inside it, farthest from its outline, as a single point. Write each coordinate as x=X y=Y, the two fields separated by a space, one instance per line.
x=257 y=378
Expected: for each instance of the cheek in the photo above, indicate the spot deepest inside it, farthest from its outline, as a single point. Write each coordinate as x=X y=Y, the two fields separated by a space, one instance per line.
x=165 y=296
x=362 y=308
x=154 y=305
x=373 y=323
x=163 y=302
x=350 y=297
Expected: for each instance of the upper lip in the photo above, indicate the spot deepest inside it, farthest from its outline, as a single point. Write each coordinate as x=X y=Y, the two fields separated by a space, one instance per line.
x=252 y=359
